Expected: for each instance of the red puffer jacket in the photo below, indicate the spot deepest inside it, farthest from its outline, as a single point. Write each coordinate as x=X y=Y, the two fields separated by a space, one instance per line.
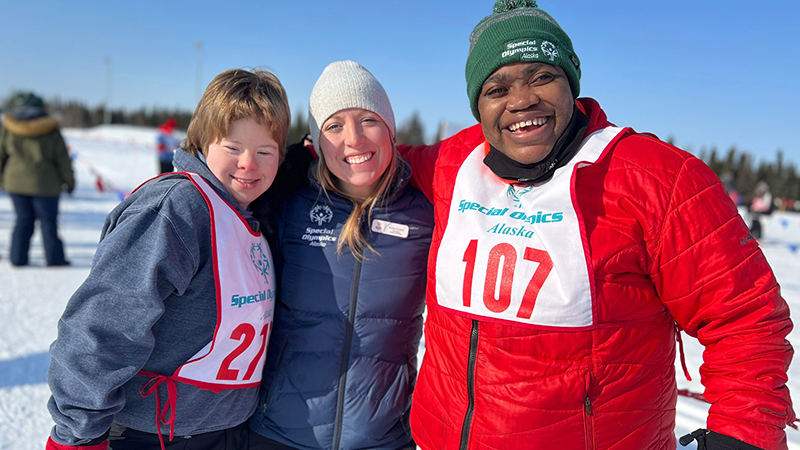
x=665 y=246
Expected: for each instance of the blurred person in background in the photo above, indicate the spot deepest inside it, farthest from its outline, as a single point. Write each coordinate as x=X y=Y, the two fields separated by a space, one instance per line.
x=35 y=168
x=760 y=205
x=166 y=144
x=727 y=180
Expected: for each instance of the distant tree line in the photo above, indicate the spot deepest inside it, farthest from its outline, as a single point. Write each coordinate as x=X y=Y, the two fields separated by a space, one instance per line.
x=739 y=171
x=76 y=114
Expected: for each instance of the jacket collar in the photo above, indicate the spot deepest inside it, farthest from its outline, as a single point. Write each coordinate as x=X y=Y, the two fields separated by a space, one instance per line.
x=597 y=117
x=564 y=149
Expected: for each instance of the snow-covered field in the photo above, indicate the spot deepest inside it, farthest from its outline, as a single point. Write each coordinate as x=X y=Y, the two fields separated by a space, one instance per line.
x=33 y=298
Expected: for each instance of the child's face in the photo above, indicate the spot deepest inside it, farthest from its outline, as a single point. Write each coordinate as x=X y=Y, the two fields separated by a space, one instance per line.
x=245 y=160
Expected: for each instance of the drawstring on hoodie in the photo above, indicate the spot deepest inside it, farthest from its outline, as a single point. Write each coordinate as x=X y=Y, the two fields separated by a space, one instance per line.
x=172 y=396
x=680 y=349
x=686 y=392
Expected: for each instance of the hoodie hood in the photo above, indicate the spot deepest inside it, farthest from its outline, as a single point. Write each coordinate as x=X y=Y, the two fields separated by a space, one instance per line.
x=29 y=127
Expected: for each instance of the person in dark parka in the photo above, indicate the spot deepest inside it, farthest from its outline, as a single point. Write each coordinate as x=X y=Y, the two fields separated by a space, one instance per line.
x=35 y=168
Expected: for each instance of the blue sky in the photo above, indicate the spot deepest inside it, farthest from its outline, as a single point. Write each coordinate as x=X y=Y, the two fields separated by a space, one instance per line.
x=708 y=73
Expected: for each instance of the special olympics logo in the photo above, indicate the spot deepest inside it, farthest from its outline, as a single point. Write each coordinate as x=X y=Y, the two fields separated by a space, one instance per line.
x=549 y=49
x=515 y=194
x=260 y=261
x=321 y=214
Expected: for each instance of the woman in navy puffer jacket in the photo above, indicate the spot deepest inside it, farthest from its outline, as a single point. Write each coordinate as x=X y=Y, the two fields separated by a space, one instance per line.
x=342 y=360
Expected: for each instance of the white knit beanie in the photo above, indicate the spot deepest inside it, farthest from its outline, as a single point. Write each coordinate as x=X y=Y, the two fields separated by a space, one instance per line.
x=344 y=85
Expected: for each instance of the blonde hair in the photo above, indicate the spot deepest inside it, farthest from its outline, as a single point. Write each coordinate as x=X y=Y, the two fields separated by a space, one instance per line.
x=239 y=94
x=352 y=235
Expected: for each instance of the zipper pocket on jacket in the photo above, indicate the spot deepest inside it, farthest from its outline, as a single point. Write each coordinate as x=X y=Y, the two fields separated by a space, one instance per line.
x=588 y=415
x=473 y=351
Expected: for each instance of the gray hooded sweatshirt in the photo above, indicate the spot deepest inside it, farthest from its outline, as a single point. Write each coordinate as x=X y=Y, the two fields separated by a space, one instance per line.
x=148 y=304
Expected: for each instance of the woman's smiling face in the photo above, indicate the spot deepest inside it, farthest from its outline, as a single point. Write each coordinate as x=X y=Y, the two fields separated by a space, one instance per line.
x=357 y=147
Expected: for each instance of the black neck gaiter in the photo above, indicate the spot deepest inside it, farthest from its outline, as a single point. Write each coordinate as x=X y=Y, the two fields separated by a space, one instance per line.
x=565 y=148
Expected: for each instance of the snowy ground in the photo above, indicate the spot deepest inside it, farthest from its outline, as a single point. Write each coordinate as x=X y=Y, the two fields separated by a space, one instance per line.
x=33 y=298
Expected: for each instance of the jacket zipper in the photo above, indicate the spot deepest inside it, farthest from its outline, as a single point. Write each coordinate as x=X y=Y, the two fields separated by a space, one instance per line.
x=588 y=422
x=348 y=337
x=272 y=384
x=473 y=351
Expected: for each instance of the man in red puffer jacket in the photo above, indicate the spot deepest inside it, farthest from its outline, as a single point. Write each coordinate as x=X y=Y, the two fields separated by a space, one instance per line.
x=567 y=255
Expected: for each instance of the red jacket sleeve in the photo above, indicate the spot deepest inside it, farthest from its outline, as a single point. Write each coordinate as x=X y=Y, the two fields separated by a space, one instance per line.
x=53 y=445
x=716 y=282
x=422 y=159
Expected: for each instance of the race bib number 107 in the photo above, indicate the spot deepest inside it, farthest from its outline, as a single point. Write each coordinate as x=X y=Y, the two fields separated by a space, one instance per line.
x=498 y=279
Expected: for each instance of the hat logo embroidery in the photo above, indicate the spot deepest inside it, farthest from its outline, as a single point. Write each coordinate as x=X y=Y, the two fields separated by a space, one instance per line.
x=549 y=49
x=321 y=214
x=527 y=48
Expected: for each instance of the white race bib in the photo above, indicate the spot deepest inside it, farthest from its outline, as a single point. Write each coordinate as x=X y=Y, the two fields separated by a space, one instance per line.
x=516 y=253
x=245 y=280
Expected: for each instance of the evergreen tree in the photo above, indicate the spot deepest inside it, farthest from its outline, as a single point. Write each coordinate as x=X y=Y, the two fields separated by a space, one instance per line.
x=745 y=178
x=412 y=132
x=729 y=165
x=299 y=127
x=714 y=163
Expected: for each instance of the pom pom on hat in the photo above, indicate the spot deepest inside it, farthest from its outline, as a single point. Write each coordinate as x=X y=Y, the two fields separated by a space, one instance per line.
x=501 y=6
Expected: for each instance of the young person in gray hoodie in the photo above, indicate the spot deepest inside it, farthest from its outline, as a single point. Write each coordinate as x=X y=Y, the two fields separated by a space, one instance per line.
x=171 y=326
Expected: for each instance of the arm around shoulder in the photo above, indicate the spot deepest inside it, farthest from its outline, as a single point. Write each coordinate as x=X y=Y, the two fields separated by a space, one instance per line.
x=423 y=158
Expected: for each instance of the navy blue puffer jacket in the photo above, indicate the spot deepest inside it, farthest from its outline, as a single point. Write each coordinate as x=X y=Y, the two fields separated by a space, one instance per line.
x=342 y=360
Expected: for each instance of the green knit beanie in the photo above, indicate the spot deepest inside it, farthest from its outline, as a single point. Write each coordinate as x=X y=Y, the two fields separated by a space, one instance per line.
x=27 y=99
x=517 y=30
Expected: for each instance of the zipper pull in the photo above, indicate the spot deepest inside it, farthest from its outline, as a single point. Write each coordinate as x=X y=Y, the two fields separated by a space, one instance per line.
x=587 y=405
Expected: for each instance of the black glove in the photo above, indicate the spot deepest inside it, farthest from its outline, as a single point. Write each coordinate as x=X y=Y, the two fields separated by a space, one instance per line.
x=709 y=440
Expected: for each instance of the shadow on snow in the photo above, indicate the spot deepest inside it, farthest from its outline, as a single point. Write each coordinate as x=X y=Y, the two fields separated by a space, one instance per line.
x=28 y=369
